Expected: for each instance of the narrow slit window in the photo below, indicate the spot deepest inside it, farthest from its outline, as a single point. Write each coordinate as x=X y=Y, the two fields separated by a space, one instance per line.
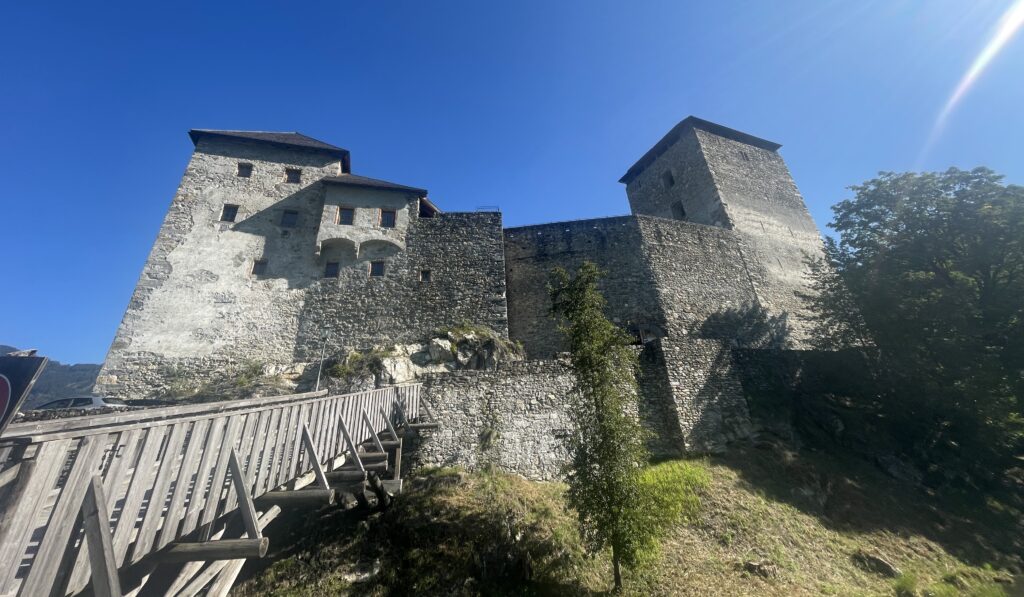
x=387 y=218
x=244 y=169
x=259 y=267
x=424 y=275
x=331 y=269
x=228 y=213
x=293 y=175
x=667 y=179
x=346 y=215
x=290 y=218
x=376 y=269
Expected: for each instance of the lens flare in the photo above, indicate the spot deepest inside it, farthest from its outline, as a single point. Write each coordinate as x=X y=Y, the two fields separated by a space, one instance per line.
x=1009 y=24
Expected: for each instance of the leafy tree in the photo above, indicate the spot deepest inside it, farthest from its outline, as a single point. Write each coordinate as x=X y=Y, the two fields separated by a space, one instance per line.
x=606 y=445
x=929 y=270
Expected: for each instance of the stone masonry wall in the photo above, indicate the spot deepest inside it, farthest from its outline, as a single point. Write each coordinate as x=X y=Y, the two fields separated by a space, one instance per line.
x=199 y=307
x=775 y=228
x=512 y=418
x=532 y=252
x=196 y=301
x=462 y=251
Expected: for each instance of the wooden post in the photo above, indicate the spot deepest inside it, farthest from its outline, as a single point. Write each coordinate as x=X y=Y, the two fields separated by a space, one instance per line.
x=96 y=521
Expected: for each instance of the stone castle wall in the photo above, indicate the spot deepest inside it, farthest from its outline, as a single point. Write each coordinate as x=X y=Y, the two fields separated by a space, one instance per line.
x=513 y=418
x=532 y=252
x=199 y=307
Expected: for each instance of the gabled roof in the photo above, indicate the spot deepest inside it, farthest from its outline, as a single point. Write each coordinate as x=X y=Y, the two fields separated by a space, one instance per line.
x=353 y=180
x=285 y=139
x=688 y=123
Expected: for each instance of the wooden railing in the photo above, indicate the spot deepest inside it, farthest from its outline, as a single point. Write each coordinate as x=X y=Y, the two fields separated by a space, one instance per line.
x=162 y=474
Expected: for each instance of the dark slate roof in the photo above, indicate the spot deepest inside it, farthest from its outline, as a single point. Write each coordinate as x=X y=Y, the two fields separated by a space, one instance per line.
x=353 y=180
x=286 y=139
x=692 y=122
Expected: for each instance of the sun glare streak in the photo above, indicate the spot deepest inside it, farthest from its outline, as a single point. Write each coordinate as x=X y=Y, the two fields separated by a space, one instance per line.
x=1009 y=24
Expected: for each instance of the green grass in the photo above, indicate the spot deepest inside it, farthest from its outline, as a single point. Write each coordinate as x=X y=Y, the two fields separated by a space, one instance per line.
x=491 y=533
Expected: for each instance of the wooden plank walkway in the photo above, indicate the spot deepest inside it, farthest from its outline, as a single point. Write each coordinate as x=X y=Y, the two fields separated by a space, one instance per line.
x=89 y=496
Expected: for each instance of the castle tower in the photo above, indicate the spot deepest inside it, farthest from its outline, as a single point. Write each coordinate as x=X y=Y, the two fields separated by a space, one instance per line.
x=705 y=173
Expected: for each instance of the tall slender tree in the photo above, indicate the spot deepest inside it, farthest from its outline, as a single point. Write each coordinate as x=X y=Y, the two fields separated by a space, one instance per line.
x=606 y=445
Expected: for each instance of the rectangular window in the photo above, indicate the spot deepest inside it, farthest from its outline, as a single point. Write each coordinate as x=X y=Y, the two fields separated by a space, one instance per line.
x=259 y=267
x=331 y=269
x=244 y=169
x=424 y=275
x=376 y=269
x=292 y=175
x=346 y=215
x=290 y=218
x=229 y=213
x=387 y=218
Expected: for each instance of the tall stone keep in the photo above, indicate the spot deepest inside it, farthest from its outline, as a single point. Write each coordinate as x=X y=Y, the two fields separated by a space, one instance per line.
x=708 y=174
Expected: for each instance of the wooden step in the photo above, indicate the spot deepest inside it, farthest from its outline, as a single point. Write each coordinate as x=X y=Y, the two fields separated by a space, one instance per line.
x=343 y=476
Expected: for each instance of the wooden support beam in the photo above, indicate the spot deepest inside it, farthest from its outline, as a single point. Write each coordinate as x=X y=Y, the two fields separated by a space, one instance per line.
x=318 y=470
x=297 y=498
x=245 y=505
x=401 y=413
x=96 y=521
x=373 y=434
x=381 y=465
x=222 y=549
x=351 y=445
x=387 y=421
x=346 y=475
x=368 y=457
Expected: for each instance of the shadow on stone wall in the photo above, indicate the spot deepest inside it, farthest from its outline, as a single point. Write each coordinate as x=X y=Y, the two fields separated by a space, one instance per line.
x=656 y=407
x=748 y=325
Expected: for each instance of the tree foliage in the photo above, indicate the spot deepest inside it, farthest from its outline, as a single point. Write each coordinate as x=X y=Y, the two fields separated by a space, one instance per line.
x=606 y=444
x=929 y=271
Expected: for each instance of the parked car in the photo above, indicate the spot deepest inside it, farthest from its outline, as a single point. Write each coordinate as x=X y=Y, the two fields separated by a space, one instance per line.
x=84 y=402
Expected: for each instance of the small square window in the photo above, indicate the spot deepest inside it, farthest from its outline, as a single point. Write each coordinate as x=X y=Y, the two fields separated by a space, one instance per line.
x=229 y=213
x=244 y=169
x=331 y=269
x=387 y=218
x=346 y=215
x=259 y=267
x=290 y=218
x=376 y=269
x=424 y=275
x=292 y=175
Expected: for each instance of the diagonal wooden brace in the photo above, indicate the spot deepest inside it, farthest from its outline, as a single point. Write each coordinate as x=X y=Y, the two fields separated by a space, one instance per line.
x=96 y=520
x=318 y=470
x=391 y=428
x=373 y=434
x=245 y=504
x=351 y=446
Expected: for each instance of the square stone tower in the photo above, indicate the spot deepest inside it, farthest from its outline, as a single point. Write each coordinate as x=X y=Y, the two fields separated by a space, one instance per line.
x=705 y=173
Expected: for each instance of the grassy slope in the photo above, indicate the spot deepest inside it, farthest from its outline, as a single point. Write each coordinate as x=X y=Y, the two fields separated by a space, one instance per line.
x=802 y=516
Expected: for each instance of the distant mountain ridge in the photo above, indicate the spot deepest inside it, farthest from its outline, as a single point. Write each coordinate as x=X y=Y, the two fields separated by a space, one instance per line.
x=59 y=381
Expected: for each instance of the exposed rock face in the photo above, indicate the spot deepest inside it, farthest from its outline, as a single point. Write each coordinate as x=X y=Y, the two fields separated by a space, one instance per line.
x=459 y=349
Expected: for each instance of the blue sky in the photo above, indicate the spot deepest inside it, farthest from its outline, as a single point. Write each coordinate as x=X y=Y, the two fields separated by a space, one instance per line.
x=536 y=106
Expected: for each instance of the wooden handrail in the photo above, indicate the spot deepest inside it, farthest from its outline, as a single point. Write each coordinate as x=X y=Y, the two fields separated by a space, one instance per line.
x=172 y=471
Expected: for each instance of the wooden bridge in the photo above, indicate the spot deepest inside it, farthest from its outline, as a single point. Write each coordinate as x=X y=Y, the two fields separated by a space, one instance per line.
x=100 y=502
